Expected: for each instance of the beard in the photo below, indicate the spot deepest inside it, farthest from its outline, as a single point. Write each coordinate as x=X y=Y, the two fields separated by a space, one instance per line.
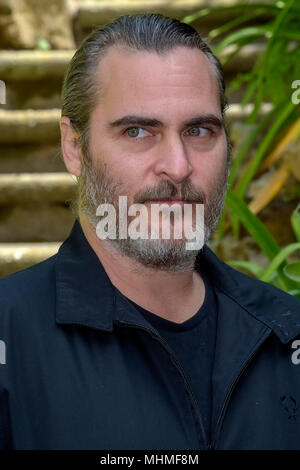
x=96 y=187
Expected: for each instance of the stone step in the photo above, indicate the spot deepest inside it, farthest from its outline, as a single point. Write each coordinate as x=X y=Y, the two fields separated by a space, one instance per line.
x=30 y=65
x=16 y=188
x=91 y=14
x=35 y=206
x=43 y=125
x=35 y=222
x=33 y=65
x=16 y=256
x=31 y=157
x=29 y=125
x=41 y=75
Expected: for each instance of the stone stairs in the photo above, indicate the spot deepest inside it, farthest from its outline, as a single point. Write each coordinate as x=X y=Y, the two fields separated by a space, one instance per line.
x=35 y=189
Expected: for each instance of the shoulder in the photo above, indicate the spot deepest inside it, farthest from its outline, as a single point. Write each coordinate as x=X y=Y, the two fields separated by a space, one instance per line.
x=260 y=288
x=242 y=287
x=24 y=291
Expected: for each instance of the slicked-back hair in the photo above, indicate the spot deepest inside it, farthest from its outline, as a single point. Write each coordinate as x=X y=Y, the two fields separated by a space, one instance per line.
x=142 y=32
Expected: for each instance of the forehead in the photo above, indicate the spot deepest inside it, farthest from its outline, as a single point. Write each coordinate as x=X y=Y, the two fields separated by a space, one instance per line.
x=145 y=81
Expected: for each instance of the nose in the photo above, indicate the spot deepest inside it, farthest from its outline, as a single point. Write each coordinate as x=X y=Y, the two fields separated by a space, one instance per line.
x=173 y=160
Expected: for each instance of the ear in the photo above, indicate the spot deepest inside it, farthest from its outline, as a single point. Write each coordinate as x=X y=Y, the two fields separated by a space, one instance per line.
x=70 y=146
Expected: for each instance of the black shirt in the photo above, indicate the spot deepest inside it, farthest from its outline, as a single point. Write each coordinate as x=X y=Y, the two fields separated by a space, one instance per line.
x=193 y=343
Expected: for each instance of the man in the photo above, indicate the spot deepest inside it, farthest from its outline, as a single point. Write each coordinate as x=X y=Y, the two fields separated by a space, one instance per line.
x=120 y=342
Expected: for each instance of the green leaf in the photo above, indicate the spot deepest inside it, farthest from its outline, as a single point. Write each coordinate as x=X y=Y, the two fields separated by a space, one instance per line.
x=255 y=227
x=265 y=144
x=198 y=14
x=252 y=86
x=253 y=268
x=264 y=8
x=242 y=153
x=236 y=36
x=292 y=271
x=274 y=33
x=295 y=293
x=295 y=221
x=232 y=24
x=42 y=44
x=278 y=259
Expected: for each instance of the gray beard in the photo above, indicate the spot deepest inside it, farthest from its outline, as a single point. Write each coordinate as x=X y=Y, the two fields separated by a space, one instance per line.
x=94 y=188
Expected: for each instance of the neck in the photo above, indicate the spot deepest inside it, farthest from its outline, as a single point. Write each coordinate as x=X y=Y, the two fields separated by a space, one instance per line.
x=175 y=296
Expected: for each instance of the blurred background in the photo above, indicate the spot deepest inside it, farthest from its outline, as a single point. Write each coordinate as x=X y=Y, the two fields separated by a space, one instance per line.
x=258 y=44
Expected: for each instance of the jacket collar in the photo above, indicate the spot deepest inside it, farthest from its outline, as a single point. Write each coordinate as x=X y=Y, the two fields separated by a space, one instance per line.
x=264 y=302
x=85 y=294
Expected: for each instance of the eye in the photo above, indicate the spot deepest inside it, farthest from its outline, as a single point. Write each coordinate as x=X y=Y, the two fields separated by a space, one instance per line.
x=135 y=132
x=199 y=131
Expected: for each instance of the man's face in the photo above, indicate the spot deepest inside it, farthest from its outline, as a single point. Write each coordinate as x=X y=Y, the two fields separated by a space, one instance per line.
x=156 y=134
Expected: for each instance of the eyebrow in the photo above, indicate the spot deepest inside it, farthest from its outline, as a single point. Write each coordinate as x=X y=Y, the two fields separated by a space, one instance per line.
x=132 y=120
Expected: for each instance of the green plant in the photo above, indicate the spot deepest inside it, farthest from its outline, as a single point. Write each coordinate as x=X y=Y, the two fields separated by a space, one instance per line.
x=270 y=141
x=279 y=272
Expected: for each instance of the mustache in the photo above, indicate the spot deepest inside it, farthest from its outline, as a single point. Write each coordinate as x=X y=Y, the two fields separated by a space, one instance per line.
x=166 y=191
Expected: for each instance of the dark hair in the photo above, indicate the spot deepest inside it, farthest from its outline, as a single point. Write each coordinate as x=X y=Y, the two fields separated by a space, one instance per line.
x=142 y=32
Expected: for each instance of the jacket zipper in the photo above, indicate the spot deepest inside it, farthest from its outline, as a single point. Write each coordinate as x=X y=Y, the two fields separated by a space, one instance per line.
x=179 y=367
x=181 y=370
x=232 y=387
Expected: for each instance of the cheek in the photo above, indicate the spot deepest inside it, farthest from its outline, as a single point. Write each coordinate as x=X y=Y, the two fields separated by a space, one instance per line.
x=127 y=171
x=211 y=169
x=131 y=169
x=220 y=176
x=126 y=175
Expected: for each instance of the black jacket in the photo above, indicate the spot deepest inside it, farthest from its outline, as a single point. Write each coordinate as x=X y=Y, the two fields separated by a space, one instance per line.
x=82 y=369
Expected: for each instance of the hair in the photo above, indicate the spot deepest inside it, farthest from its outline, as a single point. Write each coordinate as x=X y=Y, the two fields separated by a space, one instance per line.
x=141 y=32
